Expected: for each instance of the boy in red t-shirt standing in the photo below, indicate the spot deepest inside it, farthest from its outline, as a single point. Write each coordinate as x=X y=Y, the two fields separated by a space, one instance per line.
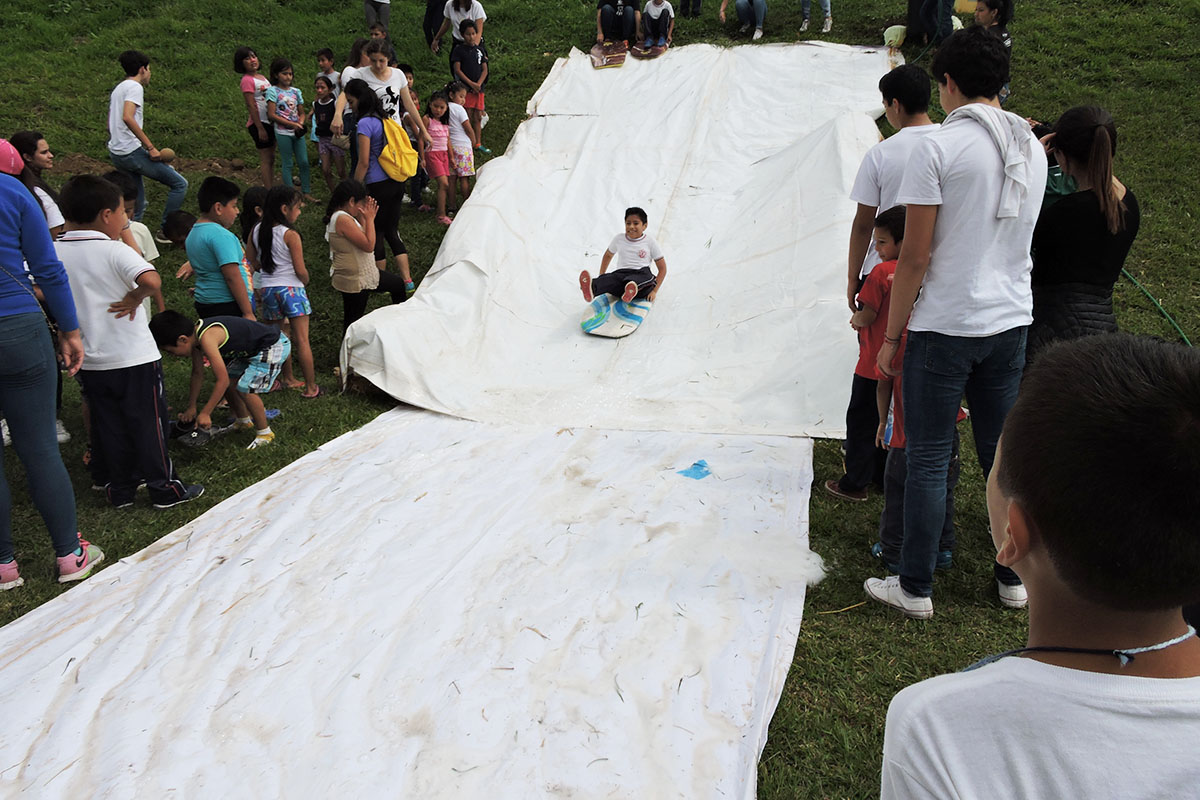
x=864 y=461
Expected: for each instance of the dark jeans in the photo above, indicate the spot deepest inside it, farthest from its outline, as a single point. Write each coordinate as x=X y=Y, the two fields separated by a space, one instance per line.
x=434 y=14
x=614 y=282
x=864 y=461
x=935 y=19
x=891 y=519
x=751 y=12
x=938 y=371
x=354 y=304
x=390 y=196
x=617 y=28
x=27 y=376
x=687 y=7
x=129 y=432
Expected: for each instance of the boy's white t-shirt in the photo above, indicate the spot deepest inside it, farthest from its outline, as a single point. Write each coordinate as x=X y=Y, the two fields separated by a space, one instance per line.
x=120 y=138
x=1021 y=728
x=635 y=253
x=458 y=136
x=388 y=91
x=101 y=272
x=655 y=11
x=474 y=13
x=978 y=281
x=54 y=216
x=878 y=181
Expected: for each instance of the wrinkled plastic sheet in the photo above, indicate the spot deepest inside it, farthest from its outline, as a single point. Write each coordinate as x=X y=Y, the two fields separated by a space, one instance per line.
x=744 y=159
x=430 y=607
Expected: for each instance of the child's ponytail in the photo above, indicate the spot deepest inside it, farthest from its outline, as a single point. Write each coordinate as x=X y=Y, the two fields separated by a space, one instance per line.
x=1087 y=136
x=278 y=198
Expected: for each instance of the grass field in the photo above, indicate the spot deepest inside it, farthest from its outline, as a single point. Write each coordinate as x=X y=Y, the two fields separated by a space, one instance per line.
x=1134 y=57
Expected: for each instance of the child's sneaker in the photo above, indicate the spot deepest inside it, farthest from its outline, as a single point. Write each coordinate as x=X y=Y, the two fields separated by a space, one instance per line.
x=757 y=34
x=10 y=576
x=243 y=424
x=662 y=41
x=889 y=592
x=828 y=26
x=410 y=289
x=190 y=492
x=60 y=432
x=585 y=286
x=4 y=432
x=1012 y=596
x=261 y=440
x=630 y=291
x=835 y=489
x=77 y=566
x=804 y=25
x=745 y=28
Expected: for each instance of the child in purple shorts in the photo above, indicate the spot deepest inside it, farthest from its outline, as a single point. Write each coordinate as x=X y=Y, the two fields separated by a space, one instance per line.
x=277 y=254
x=322 y=113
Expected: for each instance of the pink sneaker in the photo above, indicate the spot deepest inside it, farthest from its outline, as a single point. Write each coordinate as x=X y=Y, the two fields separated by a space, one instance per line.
x=631 y=290
x=585 y=286
x=10 y=576
x=77 y=567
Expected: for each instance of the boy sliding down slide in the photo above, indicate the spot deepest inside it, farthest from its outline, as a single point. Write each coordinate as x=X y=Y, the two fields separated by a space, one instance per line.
x=635 y=251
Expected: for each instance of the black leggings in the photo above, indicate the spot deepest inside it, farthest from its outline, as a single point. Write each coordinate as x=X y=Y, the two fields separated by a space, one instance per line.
x=354 y=304
x=390 y=196
x=434 y=14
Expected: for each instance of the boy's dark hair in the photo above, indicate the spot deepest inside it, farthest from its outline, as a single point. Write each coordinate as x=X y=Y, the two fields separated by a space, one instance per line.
x=132 y=62
x=892 y=221
x=83 y=198
x=325 y=52
x=216 y=190
x=1097 y=415
x=637 y=212
x=909 y=84
x=123 y=181
x=280 y=65
x=975 y=59
x=167 y=326
x=466 y=25
x=240 y=55
x=178 y=225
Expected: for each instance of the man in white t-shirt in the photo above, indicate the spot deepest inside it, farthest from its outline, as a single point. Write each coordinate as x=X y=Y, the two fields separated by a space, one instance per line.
x=129 y=148
x=1105 y=699
x=905 y=93
x=122 y=368
x=635 y=251
x=973 y=189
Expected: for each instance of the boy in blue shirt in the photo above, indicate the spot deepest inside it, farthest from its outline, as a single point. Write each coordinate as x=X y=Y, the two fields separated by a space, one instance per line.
x=216 y=254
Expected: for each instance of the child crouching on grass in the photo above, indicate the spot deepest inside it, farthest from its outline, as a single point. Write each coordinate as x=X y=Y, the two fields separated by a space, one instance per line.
x=245 y=356
x=635 y=250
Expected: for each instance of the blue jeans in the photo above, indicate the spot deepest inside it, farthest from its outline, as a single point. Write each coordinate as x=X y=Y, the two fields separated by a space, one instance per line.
x=617 y=28
x=806 y=6
x=137 y=164
x=938 y=371
x=28 y=374
x=751 y=12
x=293 y=148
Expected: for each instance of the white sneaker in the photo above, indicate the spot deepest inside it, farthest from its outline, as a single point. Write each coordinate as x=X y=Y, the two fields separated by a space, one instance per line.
x=828 y=26
x=889 y=592
x=745 y=28
x=804 y=26
x=61 y=432
x=757 y=34
x=1012 y=596
x=4 y=432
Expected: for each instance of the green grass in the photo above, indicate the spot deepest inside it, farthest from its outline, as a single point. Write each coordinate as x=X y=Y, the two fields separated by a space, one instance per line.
x=1134 y=57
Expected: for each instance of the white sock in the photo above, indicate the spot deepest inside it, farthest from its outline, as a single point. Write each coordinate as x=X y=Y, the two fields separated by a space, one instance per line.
x=244 y=421
x=264 y=431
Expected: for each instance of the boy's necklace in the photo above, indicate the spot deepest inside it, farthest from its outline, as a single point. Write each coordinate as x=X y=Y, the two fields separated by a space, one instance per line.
x=1124 y=656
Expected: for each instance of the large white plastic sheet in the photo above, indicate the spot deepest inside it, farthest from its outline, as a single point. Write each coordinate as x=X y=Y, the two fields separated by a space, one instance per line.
x=413 y=611
x=744 y=159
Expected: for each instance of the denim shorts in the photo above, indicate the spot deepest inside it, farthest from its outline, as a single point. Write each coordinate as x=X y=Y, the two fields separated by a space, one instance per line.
x=279 y=302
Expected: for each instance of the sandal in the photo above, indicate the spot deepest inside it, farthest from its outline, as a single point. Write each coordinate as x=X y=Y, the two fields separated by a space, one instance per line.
x=444 y=220
x=318 y=393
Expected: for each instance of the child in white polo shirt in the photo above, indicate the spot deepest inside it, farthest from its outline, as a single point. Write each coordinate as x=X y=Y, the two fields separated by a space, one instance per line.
x=636 y=251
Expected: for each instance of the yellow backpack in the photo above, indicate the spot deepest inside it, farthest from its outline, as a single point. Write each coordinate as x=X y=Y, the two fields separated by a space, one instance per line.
x=398 y=158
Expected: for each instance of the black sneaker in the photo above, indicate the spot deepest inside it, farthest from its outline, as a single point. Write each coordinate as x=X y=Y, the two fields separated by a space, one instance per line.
x=190 y=492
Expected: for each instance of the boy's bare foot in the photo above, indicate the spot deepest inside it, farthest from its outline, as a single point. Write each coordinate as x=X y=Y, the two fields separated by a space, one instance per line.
x=630 y=291
x=585 y=284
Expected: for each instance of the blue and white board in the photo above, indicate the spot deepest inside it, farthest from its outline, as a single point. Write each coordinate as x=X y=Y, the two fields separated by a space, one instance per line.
x=611 y=317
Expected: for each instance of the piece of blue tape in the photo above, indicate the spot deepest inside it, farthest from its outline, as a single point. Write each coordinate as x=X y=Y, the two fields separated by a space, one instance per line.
x=696 y=471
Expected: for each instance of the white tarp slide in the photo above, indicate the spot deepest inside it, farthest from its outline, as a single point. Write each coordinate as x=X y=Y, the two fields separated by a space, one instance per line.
x=434 y=608
x=743 y=158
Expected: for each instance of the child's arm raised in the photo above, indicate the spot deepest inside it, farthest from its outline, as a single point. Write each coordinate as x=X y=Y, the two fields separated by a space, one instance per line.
x=296 y=248
x=361 y=235
x=659 y=279
x=148 y=283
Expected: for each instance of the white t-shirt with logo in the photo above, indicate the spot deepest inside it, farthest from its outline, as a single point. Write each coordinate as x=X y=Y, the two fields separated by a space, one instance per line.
x=635 y=253
x=388 y=91
x=101 y=272
x=978 y=281
x=120 y=138
x=474 y=13
x=1021 y=728
x=879 y=176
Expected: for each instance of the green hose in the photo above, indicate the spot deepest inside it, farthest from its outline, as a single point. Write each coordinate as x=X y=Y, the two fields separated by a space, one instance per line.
x=1159 y=306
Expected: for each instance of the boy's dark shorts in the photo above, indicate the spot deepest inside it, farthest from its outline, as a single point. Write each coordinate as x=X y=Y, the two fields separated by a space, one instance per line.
x=265 y=143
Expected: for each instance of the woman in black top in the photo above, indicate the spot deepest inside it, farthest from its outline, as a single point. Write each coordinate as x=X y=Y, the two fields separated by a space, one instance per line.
x=1081 y=239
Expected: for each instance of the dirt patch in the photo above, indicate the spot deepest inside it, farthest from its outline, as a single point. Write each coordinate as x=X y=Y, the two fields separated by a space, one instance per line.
x=81 y=164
